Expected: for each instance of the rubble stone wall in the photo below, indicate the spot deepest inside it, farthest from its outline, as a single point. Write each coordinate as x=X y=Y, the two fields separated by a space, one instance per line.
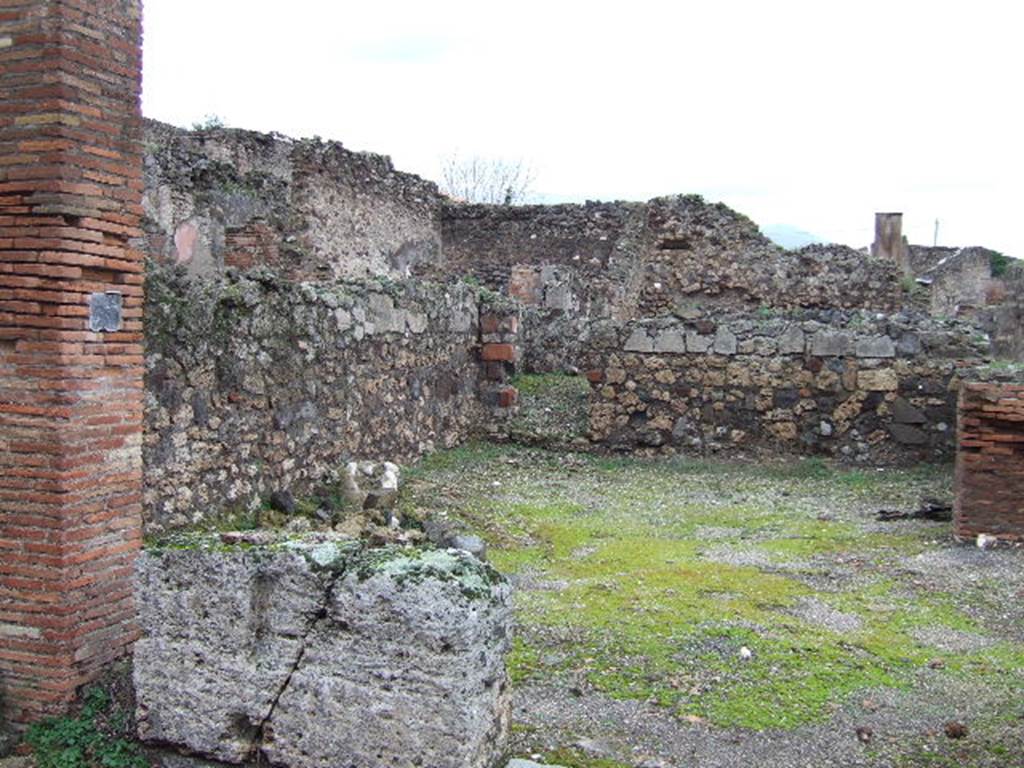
x=990 y=461
x=856 y=385
x=1008 y=326
x=666 y=256
x=960 y=282
x=275 y=364
x=256 y=383
x=218 y=198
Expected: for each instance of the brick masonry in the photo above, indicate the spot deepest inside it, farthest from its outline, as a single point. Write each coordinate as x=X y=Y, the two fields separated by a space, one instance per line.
x=499 y=354
x=70 y=398
x=990 y=461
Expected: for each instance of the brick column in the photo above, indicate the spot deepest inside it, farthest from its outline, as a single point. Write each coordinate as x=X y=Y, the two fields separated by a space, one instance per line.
x=499 y=353
x=890 y=244
x=70 y=383
x=990 y=461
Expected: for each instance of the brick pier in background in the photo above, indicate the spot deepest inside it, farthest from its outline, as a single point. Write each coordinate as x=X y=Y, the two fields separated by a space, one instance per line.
x=499 y=353
x=990 y=461
x=70 y=391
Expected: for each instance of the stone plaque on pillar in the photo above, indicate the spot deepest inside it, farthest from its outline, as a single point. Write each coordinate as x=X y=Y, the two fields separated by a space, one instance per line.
x=105 y=312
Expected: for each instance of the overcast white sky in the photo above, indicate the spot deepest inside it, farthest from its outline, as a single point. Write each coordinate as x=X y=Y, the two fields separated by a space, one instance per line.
x=814 y=114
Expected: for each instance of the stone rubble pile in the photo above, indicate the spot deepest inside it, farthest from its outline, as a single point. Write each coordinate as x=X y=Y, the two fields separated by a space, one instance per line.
x=368 y=485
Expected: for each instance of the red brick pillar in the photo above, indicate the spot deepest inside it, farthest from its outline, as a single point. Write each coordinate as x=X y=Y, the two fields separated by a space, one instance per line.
x=70 y=377
x=499 y=353
x=990 y=461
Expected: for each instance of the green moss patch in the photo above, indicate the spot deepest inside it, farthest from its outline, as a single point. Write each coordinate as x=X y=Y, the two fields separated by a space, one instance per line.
x=680 y=582
x=553 y=409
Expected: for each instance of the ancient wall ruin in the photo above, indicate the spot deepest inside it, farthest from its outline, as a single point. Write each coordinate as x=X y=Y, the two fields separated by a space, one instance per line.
x=256 y=384
x=1008 y=324
x=219 y=198
x=265 y=367
x=268 y=367
x=282 y=340
x=309 y=209
x=855 y=385
x=959 y=281
x=666 y=256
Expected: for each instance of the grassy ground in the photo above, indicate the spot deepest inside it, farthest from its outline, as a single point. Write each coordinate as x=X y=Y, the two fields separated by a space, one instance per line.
x=738 y=612
x=554 y=409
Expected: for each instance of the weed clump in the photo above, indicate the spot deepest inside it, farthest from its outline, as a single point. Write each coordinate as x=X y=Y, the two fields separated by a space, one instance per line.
x=97 y=737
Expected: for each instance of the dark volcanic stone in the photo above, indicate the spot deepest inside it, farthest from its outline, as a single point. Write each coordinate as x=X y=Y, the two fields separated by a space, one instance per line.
x=283 y=501
x=903 y=433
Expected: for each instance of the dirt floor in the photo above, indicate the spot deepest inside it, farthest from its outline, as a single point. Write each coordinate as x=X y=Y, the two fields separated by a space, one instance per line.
x=677 y=612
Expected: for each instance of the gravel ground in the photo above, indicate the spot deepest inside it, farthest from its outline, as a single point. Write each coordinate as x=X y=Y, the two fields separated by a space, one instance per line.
x=635 y=733
x=684 y=613
x=816 y=612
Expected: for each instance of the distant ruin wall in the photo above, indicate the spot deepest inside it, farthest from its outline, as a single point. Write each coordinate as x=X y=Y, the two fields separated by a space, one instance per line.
x=963 y=285
x=259 y=384
x=959 y=281
x=221 y=198
x=312 y=210
x=670 y=255
x=854 y=385
x=582 y=259
x=304 y=307
x=1008 y=330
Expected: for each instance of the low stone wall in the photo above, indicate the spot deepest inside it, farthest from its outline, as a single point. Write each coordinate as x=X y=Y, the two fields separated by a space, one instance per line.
x=857 y=385
x=990 y=460
x=310 y=653
x=256 y=384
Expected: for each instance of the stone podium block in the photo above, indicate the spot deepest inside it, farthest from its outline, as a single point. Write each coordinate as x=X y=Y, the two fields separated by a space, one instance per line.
x=311 y=653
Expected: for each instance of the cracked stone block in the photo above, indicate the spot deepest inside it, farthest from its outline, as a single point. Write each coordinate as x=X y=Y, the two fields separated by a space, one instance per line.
x=670 y=340
x=792 y=341
x=399 y=668
x=875 y=346
x=304 y=654
x=221 y=633
x=725 y=342
x=639 y=341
